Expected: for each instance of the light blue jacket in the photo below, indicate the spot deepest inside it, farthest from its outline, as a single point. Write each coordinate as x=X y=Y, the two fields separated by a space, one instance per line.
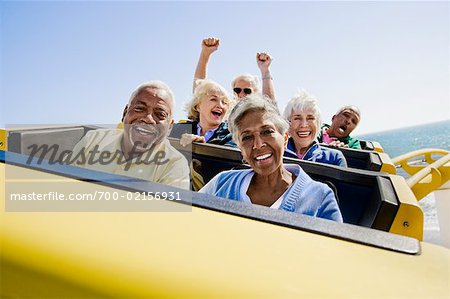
x=304 y=196
x=317 y=153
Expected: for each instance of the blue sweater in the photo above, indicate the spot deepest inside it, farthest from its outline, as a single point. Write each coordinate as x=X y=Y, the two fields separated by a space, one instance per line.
x=317 y=153
x=304 y=196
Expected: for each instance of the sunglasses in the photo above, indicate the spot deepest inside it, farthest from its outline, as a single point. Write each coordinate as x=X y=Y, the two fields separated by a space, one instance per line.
x=238 y=90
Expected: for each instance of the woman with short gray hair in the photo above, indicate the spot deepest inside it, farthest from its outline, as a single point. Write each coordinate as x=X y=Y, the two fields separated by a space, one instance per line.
x=258 y=128
x=303 y=115
x=255 y=103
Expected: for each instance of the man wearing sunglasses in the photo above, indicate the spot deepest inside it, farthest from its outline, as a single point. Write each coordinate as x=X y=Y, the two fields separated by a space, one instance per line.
x=245 y=84
x=246 y=91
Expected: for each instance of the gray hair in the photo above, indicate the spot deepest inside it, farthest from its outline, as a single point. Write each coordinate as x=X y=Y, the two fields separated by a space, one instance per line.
x=253 y=80
x=255 y=102
x=303 y=101
x=163 y=92
x=352 y=108
x=204 y=88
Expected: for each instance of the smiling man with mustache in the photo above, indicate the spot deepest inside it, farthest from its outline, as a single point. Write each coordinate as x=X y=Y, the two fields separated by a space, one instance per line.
x=141 y=148
x=342 y=124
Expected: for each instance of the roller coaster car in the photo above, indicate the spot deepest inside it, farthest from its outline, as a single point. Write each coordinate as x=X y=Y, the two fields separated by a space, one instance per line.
x=366 y=198
x=266 y=252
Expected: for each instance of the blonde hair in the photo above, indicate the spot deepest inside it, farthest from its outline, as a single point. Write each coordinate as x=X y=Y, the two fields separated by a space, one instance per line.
x=205 y=87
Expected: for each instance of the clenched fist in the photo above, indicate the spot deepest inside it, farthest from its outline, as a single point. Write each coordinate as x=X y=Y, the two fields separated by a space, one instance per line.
x=209 y=45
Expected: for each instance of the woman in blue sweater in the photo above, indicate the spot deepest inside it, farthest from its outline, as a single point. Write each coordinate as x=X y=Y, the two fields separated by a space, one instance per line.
x=304 y=119
x=259 y=129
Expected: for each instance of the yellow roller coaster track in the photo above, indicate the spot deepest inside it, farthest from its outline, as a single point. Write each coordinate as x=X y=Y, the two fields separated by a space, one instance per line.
x=425 y=178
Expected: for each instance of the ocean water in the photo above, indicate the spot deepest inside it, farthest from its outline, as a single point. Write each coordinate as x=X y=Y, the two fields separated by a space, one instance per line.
x=401 y=141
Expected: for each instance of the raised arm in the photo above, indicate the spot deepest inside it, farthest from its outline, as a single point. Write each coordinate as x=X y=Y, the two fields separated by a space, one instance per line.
x=209 y=45
x=264 y=60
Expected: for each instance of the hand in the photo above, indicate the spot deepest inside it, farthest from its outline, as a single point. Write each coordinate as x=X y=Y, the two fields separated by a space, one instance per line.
x=209 y=45
x=263 y=60
x=187 y=139
x=338 y=143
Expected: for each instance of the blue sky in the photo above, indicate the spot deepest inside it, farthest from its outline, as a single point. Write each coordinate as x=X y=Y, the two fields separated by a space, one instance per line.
x=78 y=62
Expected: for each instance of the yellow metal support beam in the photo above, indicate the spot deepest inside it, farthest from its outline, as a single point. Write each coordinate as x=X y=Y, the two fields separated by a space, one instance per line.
x=404 y=161
x=430 y=177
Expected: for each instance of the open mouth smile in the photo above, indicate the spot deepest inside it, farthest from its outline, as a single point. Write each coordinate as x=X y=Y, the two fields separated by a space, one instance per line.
x=143 y=136
x=145 y=130
x=217 y=113
x=303 y=134
x=263 y=157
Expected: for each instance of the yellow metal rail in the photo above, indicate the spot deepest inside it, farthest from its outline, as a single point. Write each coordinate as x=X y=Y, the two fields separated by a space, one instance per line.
x=425 y=178
x=430 y=178
x=404 y=161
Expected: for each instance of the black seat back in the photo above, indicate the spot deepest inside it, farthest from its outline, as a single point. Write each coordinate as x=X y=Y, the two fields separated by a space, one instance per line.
x=46 y=143
x=360 y=159
x=367 y=145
